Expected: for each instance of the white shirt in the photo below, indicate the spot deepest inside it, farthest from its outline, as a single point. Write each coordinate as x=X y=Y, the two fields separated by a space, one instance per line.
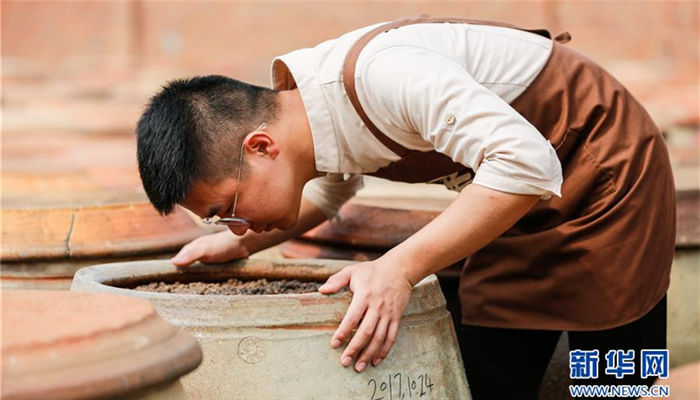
x=436 y=86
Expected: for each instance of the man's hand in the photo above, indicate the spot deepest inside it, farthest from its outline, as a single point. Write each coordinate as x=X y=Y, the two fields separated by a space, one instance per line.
x=216 y=248
x=381 y=288
x=380 y=294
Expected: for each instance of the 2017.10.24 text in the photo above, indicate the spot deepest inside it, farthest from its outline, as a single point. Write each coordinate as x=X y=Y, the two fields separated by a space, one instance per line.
x=400 y=386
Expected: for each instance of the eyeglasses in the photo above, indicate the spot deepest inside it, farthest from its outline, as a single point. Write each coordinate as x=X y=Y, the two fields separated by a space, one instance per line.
x=233 y=220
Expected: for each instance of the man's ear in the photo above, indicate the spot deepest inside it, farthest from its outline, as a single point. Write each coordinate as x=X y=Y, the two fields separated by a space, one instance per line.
x=261 y=143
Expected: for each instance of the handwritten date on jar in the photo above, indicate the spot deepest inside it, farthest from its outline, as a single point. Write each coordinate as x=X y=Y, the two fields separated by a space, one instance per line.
x=400 y=386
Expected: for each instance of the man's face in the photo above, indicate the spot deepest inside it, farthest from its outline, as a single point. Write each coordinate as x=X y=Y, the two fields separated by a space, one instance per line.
x=266 y=200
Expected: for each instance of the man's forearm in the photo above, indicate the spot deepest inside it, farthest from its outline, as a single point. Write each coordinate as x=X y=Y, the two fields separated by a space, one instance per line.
x=309 y=217
x=475 y=218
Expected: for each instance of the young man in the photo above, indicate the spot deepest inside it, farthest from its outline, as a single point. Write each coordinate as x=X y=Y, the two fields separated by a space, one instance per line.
x=568 y=225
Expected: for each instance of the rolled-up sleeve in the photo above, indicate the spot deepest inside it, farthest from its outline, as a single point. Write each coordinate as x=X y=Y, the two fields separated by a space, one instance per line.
x=422 y=91
x=330 y=192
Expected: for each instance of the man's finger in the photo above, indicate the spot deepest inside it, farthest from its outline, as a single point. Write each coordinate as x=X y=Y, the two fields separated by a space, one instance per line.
x=388 y=343
x=336 y=281
x=186 y=256
x=378 y=339
x=363 y=334
x=352 y=317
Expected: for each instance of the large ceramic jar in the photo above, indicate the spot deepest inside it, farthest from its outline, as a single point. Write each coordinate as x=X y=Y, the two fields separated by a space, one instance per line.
x=278 y=346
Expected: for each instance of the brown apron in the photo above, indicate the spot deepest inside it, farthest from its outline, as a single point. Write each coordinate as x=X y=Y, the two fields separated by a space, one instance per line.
x=599 y=256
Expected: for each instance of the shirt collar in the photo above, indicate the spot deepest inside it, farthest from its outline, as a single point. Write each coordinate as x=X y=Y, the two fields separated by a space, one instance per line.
x=300 y=69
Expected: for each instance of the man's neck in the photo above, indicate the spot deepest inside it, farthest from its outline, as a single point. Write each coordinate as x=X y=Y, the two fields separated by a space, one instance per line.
x=294 y=126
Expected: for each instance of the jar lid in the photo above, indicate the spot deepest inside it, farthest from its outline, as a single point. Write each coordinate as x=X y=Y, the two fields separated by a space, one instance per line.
x=87 y=345
x=377 y=223
x=300 y=248
x=97 y=231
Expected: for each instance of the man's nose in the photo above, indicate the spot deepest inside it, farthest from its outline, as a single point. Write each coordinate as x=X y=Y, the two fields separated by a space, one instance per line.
x=239 y=230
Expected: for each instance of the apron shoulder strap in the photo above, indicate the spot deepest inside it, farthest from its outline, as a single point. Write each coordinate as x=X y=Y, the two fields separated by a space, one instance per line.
x=353 y=54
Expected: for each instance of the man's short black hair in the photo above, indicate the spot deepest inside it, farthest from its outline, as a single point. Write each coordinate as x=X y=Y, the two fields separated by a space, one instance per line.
x=193 y=130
